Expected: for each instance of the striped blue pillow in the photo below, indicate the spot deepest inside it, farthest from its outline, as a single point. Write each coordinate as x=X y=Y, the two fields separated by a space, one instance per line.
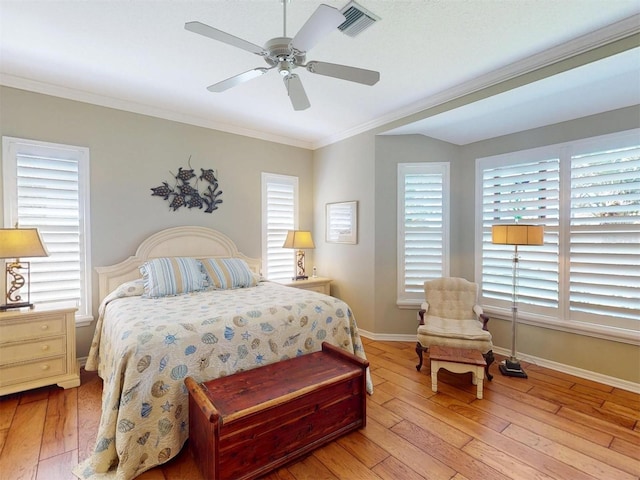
x=225 y=273
x=172 y=276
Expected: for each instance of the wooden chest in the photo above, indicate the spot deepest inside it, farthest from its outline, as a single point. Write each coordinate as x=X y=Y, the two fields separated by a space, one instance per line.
x=247 y=424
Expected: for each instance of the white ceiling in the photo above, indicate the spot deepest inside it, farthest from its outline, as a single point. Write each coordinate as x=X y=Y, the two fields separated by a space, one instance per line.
x=136 y=55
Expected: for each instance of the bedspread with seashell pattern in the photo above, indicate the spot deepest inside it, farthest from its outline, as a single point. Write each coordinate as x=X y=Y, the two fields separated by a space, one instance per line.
x=144 y=348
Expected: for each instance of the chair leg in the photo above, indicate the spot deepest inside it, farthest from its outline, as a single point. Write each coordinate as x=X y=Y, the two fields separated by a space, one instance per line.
x=419 y=350
x=489 y=358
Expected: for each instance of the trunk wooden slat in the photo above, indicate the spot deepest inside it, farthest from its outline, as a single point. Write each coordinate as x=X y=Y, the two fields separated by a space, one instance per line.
x=244 y=425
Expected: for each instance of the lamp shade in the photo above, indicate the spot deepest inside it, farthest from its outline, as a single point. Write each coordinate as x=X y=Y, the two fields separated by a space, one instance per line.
x=299 y=239
x=21 y=243
x=517 y=234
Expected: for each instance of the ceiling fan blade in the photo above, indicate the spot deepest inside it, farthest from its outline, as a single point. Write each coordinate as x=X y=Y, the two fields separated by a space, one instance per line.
x=344 y=72
x=219 y=35
x=296 y=92
x=320 y=23
x=237 y=80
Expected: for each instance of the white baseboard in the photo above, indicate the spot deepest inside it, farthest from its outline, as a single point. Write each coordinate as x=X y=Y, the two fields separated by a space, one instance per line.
x=559 y=367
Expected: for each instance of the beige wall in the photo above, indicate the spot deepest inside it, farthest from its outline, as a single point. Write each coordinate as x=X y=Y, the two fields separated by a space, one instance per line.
x=131 y=153
x=390 y=151
x=344 y=173
x=384 y=318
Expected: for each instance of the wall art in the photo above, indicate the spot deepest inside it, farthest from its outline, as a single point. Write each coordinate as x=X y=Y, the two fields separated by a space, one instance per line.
x=342 y=222
x=185 y=194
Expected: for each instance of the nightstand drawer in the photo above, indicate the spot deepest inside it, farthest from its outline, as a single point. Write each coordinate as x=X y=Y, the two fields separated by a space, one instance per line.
x=20 y=352
x=314 y=284
x=23 y=372
x=318 y=288
x=33 y=328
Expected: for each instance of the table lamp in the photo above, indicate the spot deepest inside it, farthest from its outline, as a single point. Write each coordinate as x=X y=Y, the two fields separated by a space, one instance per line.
x=18 y=243
x=300 y=240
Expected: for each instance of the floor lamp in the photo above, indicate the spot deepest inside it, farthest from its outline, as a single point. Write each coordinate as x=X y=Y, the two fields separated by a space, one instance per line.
x=515 y=234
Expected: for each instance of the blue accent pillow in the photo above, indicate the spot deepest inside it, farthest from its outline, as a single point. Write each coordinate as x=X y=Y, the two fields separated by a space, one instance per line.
x=172 y=276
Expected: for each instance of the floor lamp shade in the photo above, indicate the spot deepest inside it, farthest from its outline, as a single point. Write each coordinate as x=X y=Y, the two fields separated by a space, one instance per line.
x=516 y=234
x=299 y=240
x=17 y=243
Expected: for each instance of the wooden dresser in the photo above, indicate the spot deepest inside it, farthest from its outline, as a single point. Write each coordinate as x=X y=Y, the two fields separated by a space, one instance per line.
x=37 y=348
x=247 y=424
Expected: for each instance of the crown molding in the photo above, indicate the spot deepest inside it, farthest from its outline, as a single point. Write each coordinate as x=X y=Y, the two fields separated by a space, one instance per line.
x=605 y=36
x=142 y=109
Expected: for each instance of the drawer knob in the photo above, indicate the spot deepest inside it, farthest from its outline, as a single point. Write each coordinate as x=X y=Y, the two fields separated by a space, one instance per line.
x=45 y=367
x=45 y=347
x=44 y=327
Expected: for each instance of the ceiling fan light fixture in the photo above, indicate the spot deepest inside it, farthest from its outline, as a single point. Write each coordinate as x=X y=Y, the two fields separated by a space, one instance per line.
x=284 y=68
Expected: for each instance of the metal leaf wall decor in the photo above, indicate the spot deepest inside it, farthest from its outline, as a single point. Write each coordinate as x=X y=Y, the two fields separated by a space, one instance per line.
x=184 y=194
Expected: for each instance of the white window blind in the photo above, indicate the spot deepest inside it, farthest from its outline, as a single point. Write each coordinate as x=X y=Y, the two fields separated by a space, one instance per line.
x=423 y=215
x=280 y=213
x=605 y=233
x=46 y=186
x=586 y=193
x=526 y=193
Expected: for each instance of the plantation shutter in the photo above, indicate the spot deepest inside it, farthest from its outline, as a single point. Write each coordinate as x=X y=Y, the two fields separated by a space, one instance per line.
x=527 y=193
x=45 y=190
x=423 y=226
x=605 y=234
x=280 y=215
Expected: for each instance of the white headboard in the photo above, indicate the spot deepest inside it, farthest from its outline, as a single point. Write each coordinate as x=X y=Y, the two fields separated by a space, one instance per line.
x=196 y=242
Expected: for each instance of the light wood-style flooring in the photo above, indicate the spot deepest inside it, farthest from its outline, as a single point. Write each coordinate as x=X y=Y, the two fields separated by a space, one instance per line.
x=551 y=425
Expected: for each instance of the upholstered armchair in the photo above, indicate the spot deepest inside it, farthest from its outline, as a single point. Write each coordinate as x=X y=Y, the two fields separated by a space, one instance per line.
x=451 y=317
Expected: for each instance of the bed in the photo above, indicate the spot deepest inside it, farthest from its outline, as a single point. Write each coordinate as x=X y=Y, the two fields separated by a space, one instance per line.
x=143 y=348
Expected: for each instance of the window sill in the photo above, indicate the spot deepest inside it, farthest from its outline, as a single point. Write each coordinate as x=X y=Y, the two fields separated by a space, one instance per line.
x=83 y=320
x=409 y=304
x=613 y=334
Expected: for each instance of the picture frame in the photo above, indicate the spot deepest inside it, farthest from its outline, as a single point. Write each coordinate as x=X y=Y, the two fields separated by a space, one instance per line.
x=342 y=222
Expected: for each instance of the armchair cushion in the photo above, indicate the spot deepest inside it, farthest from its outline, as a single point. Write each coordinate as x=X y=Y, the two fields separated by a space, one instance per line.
x=459 y=333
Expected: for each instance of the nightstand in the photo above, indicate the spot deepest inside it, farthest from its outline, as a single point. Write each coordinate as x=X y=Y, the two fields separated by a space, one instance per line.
x=317 y=284
x=37 y=348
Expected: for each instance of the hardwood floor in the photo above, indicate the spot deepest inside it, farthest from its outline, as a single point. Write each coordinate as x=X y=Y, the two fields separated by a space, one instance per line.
x=551 y=425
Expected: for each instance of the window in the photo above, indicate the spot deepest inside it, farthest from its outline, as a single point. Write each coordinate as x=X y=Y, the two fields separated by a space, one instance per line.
x=423 y=228
x=46 y=186
x=587 y=195
x=279 y=214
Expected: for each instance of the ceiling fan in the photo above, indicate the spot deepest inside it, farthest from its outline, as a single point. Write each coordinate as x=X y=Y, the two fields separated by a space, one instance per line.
x=286 y=54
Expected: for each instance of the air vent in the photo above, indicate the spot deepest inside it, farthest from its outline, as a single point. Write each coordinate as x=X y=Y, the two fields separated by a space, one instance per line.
x=358 y=19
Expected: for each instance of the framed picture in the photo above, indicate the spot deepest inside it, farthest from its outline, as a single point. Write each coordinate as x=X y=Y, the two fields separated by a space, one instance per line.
x=342 y=222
